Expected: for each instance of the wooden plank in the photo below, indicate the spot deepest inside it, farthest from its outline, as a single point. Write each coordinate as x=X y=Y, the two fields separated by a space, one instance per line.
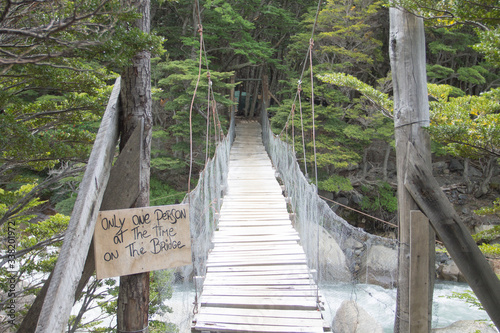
x=266 y=238
x=283 y=258
x=256 y=278
x=284 y=303
x=67 y=272
x=268 y=321
x=419 y=272
x=211 y=327
x=123 y=184
x=258 y=268
x=255 y=262
x=257 y=282
x=259 y=252
x=303 y=314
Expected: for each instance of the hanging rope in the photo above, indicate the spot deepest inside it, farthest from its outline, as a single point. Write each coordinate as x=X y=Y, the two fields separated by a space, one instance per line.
x=207 y=139
x=200 y=31
x=299 y=91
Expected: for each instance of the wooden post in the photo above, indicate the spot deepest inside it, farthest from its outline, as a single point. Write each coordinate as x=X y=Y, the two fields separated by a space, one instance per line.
x=133 y=296
x=458 y=241
x=411 y=114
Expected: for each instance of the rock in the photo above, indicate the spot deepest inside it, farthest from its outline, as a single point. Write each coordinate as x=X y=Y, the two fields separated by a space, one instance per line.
x=450 y=272
x=482 y=227
x=473 y=172
x=351 y=318
x=442 y=257
x=466 y=326
x=342 y=200
x=382 y=266
x=332 y=259
x=439 y=167
x=357 y=198
x=455 y=165
x=495 y=265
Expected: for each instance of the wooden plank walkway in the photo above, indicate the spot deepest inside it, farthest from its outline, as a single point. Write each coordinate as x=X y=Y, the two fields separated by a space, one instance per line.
x=257 y=276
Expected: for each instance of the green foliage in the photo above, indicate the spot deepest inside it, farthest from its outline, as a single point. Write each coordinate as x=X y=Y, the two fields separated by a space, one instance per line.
x=335 y=184
x=380 y=196
x=494 y=209
x=467 y=125
x=487 y=236
x=163 y=194
x=468 y=296
x=379 y=99
x=490 y=250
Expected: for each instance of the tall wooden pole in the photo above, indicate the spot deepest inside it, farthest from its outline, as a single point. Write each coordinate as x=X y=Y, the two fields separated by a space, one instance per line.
x=411 y=114
x=133 y=297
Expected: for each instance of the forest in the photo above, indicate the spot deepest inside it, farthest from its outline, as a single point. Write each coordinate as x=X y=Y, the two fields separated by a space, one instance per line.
x=59 y=60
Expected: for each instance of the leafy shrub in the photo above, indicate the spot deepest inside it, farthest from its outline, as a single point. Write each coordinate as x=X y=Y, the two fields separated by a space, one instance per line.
x=378 y=197
x=487 y=236
x=335 y=184
x=490 y=250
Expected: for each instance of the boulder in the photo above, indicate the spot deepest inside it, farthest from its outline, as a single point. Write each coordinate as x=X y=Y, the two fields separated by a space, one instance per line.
x=455 y=165
x=351 y=318
x=332 y=259
x=381 y=266
x=466 y=326
x=449 y=272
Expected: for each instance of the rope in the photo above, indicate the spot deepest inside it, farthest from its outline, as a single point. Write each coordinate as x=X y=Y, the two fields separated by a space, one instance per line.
x=360 y=212
x=200 y=31
x=207 y=139
x=299 y=90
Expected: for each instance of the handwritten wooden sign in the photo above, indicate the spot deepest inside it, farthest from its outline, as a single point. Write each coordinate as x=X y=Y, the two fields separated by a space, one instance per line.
x=136 y=240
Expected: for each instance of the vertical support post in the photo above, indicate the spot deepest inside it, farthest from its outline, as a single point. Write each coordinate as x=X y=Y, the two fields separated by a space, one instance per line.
x=136 y=102
x=419 y=272
x=411 y=115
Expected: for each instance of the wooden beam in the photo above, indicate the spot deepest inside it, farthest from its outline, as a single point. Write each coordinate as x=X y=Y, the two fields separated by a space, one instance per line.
x=70 y=264
x=451 y=230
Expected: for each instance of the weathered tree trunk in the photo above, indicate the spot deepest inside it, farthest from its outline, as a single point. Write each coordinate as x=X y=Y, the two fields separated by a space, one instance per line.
x=385 y=166
x=133 y=297
x=411 y=114
x=255 y=93
x=467 y=180
x=484 y=187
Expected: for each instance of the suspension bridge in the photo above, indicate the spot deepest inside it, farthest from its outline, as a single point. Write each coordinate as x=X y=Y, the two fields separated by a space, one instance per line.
x=257 y=278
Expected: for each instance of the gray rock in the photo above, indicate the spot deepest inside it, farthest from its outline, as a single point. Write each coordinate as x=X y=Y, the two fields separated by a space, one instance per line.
x=351 y=318
x=455 y=165
x=474 y=172
x=382 y=266
x=332 y=259
x=449 y=272
x=466 y=326
x=342 y=200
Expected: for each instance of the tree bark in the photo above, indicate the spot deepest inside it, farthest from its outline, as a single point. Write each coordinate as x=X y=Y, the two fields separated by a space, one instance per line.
x=411 y=114
x=133 y=297
x=484 y=187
